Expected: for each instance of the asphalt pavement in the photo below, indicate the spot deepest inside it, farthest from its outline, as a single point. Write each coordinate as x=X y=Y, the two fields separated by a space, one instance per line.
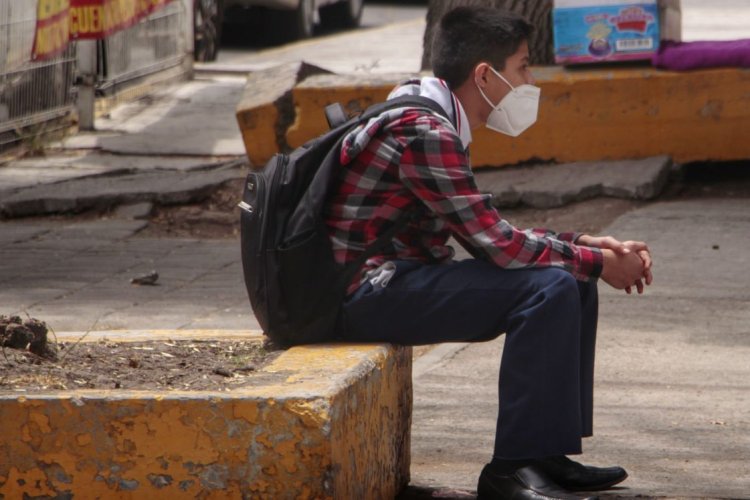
x=673 y=376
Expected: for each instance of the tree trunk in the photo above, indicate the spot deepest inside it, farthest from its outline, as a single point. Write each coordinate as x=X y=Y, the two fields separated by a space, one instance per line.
x=538 y=12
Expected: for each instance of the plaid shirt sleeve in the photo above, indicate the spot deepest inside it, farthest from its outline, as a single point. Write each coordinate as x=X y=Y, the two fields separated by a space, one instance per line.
x=435 y=168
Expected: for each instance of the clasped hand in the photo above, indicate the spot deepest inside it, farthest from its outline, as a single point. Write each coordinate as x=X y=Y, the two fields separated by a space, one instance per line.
x=626 y=264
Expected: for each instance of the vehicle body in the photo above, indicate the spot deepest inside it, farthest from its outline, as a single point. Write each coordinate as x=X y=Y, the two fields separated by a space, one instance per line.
x=293 y=19
x=279 y=20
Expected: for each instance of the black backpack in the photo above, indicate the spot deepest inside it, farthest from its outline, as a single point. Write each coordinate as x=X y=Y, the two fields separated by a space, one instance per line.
x=295 y=286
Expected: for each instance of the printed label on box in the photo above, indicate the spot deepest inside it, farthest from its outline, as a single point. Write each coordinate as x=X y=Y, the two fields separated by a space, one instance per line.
x=606 y=32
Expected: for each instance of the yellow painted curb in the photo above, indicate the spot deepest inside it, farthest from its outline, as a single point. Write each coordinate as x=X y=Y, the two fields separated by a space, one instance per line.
x=585 y=115
x=328 y=421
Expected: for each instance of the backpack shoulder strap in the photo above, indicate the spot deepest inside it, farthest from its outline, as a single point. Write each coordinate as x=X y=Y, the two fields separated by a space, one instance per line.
x=320 y=184
x=405 y=101
x=337 y=119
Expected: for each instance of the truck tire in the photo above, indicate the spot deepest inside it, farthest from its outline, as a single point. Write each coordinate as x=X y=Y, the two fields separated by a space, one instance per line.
x=298 y=23
x=342 y=15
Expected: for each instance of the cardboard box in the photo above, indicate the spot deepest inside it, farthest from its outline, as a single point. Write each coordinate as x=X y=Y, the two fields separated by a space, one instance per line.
x=590 y=31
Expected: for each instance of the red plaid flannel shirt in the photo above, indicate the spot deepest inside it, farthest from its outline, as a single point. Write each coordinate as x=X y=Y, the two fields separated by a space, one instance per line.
x=399 y=163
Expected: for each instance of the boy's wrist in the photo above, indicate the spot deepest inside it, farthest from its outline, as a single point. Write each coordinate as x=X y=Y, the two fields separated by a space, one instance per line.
x=609 y=257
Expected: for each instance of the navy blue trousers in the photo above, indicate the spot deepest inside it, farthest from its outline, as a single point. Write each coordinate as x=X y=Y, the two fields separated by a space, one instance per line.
x=549 y=318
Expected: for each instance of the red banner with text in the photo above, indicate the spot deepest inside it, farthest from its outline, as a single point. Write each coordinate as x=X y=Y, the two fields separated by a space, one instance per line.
x=60 y=21
x=52 y=28
x=94 y=19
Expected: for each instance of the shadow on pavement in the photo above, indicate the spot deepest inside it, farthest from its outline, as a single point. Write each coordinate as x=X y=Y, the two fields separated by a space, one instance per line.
x=424 y=493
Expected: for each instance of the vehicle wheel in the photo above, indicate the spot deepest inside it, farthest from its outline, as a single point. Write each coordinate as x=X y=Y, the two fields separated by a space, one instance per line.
x=298 y=23
x=345 y=14
x=209 y=16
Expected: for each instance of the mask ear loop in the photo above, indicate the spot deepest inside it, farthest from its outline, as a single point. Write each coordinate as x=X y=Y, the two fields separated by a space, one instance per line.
x=512 y=88
x=502 y=78
x=481 y=91
x=487 y=99
x=482 y=77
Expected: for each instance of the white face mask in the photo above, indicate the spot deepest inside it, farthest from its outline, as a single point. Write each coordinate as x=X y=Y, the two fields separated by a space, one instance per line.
x=516 y=112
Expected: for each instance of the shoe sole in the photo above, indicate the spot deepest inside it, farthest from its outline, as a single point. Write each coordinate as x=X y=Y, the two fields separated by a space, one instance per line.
x=599 y=487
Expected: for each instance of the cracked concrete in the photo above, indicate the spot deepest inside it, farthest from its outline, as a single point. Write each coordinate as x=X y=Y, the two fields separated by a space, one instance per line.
x=107 y=190
x=267 y=108
x=550 y=186
x=175 y=146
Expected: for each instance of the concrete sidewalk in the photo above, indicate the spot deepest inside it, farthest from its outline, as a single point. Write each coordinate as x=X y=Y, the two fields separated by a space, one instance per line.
x=672 y=400
x=673 y=394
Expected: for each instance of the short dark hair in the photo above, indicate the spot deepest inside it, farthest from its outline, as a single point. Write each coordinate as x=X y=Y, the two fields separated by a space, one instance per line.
x=467 y=36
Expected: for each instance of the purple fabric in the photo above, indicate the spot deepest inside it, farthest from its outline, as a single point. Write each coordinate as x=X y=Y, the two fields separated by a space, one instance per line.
x=683 y=56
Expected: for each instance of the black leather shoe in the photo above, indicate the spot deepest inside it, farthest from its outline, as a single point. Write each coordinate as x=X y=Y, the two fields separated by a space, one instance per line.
x=579 y=477
x=527 y=483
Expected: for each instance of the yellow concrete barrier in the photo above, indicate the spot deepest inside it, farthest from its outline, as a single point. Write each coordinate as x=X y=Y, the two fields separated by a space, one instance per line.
x=585 y=115
x=615 y=114
x=329 y=421
x=265 y=110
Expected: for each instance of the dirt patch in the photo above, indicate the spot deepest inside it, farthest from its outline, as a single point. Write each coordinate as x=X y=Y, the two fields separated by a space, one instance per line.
x=218 y=216
x=590 y=216
x=216 y=365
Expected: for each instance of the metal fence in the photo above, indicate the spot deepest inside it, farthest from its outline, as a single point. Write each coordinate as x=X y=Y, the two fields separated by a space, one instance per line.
x=154 y=44
x=37 y=93
x=30 y=92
